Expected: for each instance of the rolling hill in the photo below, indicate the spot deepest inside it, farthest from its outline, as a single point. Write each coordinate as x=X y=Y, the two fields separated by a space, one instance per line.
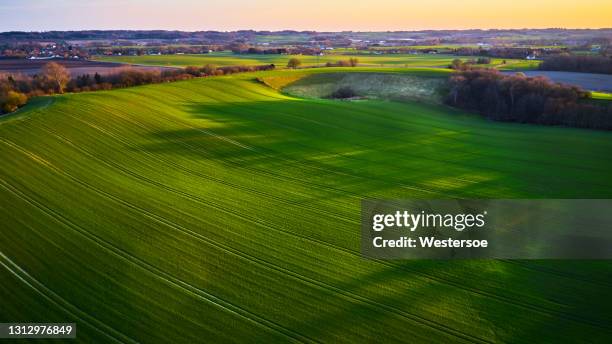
x=221 y=208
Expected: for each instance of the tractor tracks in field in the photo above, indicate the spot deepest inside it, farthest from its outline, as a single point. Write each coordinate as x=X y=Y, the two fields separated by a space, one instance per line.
x=303 y=164
x=511 y=301
x=61 y=303
x=197 y=174
x=188 y=196
x=162 y=275
x=14 y=116
x=270 y=265
x=501 y=298
x=242 y=255
x=310 y=184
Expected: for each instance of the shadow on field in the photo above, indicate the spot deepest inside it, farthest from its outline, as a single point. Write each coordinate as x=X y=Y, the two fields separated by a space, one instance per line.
x=368 y=146
x=430 y=149
x=495 y=302
x=378 y=149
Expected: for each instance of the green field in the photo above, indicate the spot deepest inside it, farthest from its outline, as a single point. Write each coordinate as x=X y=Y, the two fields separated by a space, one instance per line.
x=222 y=209
x=601 y=95
x=230 y=59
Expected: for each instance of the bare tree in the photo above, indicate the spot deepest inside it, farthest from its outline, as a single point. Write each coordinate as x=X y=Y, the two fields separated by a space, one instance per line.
x=57 y=74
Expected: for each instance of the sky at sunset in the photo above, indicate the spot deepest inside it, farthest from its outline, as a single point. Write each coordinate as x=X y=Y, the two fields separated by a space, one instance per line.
x=379 y=15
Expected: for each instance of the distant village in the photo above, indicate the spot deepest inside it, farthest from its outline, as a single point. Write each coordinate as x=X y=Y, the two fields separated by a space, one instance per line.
x=83 y=45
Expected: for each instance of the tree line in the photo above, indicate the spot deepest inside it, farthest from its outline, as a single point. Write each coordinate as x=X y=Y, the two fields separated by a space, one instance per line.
x=15 y=90
x=352 y=62
x=517 y=98
x=578 y=63
x=508 y=52
x=458 y=64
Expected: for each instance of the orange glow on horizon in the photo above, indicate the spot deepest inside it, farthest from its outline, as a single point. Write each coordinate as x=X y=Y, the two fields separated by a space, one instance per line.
x=380 y=15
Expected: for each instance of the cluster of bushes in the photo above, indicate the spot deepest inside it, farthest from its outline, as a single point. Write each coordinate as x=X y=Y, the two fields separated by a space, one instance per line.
x=352 y=62
x=54 y=78
x=343 y=93
x=210 y=70
x=11 y=100
x=517 y=98
x=16 y=89
x=125 y=77
x=578 y=63
x=457 y=64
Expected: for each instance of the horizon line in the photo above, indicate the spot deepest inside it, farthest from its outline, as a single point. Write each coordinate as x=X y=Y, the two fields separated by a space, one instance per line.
x=316 y=31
